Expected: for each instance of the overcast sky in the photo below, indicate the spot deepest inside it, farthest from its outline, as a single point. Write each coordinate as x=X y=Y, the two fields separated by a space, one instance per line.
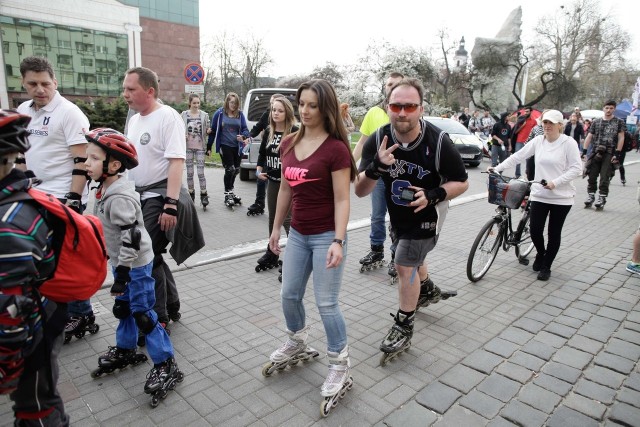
x=301 y=35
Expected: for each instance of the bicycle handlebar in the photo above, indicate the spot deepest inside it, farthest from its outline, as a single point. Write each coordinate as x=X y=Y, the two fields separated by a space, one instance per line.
x=504 y=178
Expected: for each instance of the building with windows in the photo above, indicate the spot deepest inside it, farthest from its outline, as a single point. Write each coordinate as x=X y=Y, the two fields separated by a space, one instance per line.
x=91 y=43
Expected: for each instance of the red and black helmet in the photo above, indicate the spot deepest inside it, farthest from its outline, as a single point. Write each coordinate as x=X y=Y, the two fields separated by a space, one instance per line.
x=116 y=145
x=13 y=132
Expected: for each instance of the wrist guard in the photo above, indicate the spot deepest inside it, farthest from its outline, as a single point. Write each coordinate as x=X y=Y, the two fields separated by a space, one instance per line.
x=171 y=211
x=436 y=195
x=584 y=151
x=170 y=201
x=617 y=153
x=122 y=274
x=376 y=168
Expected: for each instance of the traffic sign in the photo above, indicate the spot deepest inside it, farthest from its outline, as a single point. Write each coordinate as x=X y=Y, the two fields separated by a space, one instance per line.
x=193 y=88
x=194 y=73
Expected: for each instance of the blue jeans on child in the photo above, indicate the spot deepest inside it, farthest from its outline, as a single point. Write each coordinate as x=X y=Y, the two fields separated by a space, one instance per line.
x=140 y=293
x=306 y=254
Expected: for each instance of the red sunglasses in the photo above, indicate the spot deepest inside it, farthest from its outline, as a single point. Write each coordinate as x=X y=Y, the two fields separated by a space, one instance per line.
x=409 y=108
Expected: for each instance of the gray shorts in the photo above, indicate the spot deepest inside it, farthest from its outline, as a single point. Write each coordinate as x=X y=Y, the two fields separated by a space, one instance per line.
x=412 y=252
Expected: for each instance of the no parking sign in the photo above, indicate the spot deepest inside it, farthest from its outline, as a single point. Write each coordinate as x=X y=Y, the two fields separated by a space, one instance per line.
x=194 y=73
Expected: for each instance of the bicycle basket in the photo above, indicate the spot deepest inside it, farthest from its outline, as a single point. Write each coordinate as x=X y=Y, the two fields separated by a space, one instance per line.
x=508 y=194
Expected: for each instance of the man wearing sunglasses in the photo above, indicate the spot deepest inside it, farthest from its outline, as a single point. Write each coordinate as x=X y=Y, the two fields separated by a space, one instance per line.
x=376 y=117
x=421 y=171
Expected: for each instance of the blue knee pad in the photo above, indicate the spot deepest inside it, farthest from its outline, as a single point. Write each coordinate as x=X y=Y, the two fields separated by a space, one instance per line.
x=121 y=309
x=144 y=322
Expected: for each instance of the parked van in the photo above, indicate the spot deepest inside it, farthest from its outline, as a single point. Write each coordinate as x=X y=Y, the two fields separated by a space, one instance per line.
x=255 y=104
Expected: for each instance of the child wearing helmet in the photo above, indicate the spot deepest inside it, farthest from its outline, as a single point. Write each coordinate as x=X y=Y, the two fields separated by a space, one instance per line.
x=109 y=154
x=31 y=326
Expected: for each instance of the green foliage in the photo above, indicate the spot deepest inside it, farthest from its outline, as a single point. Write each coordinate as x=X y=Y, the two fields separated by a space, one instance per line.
x=103 y=113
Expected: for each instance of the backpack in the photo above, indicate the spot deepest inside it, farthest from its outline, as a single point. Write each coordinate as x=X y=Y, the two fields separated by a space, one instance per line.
x=628 y=142
x=79 y=245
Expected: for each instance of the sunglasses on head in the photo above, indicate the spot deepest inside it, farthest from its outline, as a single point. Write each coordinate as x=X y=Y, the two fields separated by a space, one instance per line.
x=409 y=108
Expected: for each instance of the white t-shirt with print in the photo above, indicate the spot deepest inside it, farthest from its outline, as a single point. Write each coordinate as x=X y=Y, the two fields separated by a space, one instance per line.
x=158 y=137
x=53 y=129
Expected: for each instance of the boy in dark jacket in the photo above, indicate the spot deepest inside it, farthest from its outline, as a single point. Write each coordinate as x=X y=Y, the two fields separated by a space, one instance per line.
x=32 y=326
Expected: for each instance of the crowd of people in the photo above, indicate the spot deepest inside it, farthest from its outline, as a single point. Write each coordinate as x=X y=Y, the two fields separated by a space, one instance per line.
x=408 y=166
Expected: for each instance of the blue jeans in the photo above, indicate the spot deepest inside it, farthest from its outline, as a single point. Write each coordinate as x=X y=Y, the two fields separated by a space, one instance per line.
x=79 y=308
x=305 y=254
x=378 y=212
x=140 y=293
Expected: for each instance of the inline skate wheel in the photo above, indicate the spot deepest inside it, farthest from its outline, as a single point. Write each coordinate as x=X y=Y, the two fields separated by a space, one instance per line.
x=385 y=358
x=362 y=269
x=267 y=369
x=325 y=407
x=258 y=268
x=155 y=400
x=93 y=329
x=80 y=334
x=67 y=338
x=97 y=373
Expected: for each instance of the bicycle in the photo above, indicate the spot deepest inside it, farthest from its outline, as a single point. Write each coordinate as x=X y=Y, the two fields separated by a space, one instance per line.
x=508 y=194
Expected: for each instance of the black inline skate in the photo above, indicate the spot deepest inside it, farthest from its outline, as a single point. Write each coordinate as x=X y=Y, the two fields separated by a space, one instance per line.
x=78 y=326
x=338 y=382
x=599 y=205
x=591 y=197
x=117 y=358
x=267 y=261
x=173 y=311
x=162 y=378
x=374 y=259
x=204 y=199
x=280 y=273
x=228 y=200
x=255 y=209
x=398 y=338
x=236 y=200
x=294 y=350
x=431 y=294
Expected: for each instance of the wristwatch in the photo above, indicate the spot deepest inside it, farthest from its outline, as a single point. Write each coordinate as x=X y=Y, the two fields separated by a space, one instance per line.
x=340 y=242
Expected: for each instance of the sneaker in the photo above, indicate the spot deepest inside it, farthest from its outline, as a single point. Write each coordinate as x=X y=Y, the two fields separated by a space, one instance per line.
x=544 y=274
x=632 y=267
x=537 y=263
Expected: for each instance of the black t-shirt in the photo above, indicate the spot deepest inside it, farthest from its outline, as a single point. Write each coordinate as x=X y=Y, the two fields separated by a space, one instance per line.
x=502 y=130
x=269 y=157
x=415 y=166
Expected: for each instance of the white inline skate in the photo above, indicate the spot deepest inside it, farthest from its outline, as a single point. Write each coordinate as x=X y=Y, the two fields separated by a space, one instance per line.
x=338 y=381
x=294 y=350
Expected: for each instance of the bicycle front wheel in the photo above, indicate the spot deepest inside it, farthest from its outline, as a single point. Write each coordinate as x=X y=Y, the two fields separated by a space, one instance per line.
x=484 y=249
x=524 y=245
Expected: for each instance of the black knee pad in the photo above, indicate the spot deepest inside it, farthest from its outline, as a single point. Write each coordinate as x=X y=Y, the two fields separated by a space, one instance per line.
x=236 y=171
x=231 y=170
x=144 y=322
x=121 y=309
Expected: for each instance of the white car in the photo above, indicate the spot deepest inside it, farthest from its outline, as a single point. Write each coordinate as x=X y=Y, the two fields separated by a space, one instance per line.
x=470 y=147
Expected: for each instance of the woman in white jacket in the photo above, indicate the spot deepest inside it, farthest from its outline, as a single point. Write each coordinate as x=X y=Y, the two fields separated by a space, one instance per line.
x=557 y=160
x=197 y=127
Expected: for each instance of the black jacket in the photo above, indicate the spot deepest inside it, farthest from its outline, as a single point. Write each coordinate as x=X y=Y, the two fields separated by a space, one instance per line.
x=578 y=133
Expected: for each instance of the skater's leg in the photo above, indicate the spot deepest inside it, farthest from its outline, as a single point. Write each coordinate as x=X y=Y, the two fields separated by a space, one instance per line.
x=326 y=287
x=594 y=172
x=539 y=212
x=36 y=399
x=378 y=211
x=202 y=180
x=296 y=269
x=605 y=175
x=173 y=299
x=261 y=190
x=273 y=189
x=226 y=156
x=127 y=331
x=142 y=297
x=189 y=163
x=410 y=257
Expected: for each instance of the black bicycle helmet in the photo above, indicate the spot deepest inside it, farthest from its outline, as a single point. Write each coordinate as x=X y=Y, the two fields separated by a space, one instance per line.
x=116 y=145
x=14 y=136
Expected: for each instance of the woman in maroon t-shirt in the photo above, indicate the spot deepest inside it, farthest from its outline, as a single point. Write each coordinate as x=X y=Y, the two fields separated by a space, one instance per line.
x=317 y=168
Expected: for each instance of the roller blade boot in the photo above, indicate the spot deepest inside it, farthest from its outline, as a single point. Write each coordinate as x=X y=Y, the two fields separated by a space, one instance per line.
x=591 y=197
x=392 y=272
x=280 y=273
x=599 y=205
x=162 y=378
x=267 y=261
x=192 y=194
x=204 y=200
x=398 y=338
x=78 y=326
x=338 y=382
x=117 y=358
x=228 y=200
x=294 y=350
x=431 y=294
x=236 y=200
x=374 y=259
x=255 y=209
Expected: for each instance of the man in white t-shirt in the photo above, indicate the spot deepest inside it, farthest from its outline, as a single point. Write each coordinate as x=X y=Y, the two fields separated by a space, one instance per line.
x=57 y=154
x=157 y=132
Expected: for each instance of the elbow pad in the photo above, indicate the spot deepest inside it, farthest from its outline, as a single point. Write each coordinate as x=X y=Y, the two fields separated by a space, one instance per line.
x=135 y=236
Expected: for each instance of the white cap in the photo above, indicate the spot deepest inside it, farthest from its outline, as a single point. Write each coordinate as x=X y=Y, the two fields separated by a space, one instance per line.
x=553 y=116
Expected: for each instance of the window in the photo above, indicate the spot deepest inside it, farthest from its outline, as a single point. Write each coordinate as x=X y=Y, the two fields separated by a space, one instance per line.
x=86 y=62
x=66 y=77
x=86 y=78
x=103 y=79
x=20 y=48
x=39 y=41
x=64 y=44
x=101 y=49
x=65 y=60
x=5 y=47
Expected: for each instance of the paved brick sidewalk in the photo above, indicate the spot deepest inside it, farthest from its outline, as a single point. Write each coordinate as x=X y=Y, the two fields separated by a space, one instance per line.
x=509 y=350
